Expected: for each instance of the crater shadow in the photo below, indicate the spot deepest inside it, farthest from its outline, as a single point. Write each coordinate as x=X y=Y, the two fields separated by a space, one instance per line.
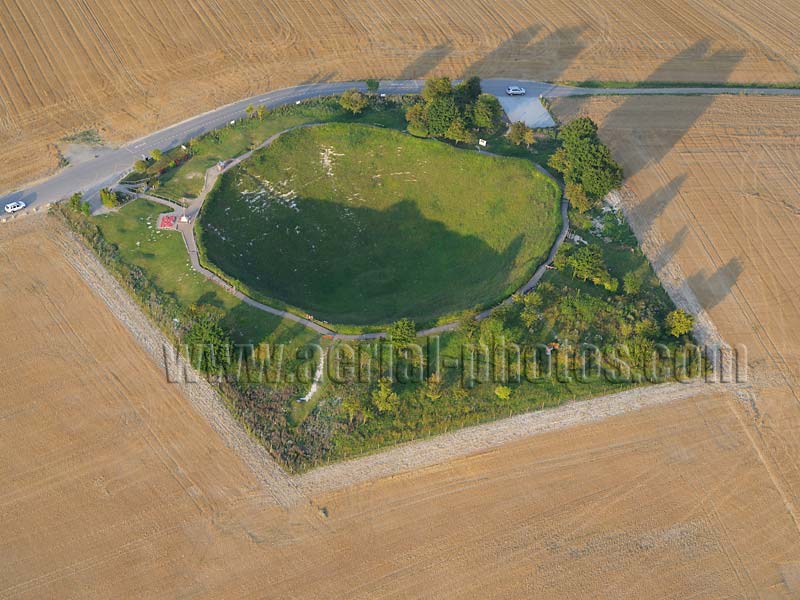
x=351 y=264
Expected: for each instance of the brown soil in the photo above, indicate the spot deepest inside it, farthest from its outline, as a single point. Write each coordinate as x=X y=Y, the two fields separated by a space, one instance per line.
x=129 y=68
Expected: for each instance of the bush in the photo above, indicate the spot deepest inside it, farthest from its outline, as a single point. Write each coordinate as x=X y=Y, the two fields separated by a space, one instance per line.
x=353 y=101
x=679 y=322
x=75 y=201
x=109 y=198
x=519 y=134
x=140 y=166
x=402 y=332
x=632 y=283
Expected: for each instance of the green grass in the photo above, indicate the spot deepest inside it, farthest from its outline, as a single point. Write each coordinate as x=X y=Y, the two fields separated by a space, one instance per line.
x=186 y=180
x=361 y=225
x=162 y=254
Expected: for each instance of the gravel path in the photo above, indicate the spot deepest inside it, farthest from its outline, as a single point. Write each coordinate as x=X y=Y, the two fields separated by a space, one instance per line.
x=192 y=212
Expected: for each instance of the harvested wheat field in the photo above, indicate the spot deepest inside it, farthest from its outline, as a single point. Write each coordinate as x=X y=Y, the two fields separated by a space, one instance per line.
x=117 y=487
x=129 y=68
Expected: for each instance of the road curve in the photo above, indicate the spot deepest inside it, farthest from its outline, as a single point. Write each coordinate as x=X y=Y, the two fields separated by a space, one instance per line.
x=109 y=167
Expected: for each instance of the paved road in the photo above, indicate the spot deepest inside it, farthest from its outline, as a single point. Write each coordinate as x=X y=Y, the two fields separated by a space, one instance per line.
x=109 y=167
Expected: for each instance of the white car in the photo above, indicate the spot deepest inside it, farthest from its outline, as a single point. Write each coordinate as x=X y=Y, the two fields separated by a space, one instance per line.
x=13 y=207
x=515 y=90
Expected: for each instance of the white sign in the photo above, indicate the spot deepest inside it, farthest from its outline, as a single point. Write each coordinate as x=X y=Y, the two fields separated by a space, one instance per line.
x=482 y=143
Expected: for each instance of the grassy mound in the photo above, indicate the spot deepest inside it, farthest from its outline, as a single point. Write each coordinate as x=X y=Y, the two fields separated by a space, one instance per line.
x=362 y=225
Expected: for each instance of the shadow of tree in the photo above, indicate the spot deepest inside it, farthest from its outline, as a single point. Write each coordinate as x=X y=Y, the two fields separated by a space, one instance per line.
x=679 y=114
x=426 y=62
x=645 y=213
x=713 y=289
x=521 y=56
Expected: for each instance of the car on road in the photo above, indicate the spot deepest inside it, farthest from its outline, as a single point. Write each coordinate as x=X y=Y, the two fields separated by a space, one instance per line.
x=13 y=207
x=515 y=90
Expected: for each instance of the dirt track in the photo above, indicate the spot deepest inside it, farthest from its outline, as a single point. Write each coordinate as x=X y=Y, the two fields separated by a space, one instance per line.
x=127 y=68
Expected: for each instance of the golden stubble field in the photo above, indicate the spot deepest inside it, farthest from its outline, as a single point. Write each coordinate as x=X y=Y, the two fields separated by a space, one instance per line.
x=116 y=488
x=129 y=68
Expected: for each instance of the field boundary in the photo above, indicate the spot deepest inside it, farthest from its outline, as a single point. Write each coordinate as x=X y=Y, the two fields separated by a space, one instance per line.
x=289 y=490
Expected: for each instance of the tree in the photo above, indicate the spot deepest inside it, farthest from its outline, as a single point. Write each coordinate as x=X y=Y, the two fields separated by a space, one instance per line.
x=402 y=332
x=458 y=132
x=75 y=201
x=437 y=87
x=353 y=101
x=439 y=114
x=577 y=197
x=373 y=85
x=250 y=110
x=140 y=166
x=467 y=92
x=519 y=134
x=417 y=121
x=156 y=154
x=486 y=112
x=679 y=322
x=384 y=399
x=205 y=340
x=260 y=112
x=109 y=198
x=586 y=262
x=584 y=160
x=86 y=209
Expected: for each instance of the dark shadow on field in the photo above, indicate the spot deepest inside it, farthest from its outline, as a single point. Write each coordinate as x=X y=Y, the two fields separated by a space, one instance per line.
x=211 y=298
x=645 y=213
x=680 y=113
x=668 y=250
x=359 y=265
x=320 y=77
x=426 y=62
x=521 y=56
x=713 y=289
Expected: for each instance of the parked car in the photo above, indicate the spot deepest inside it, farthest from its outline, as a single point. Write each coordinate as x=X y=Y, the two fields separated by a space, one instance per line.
x=13 y=207
x=515 y=90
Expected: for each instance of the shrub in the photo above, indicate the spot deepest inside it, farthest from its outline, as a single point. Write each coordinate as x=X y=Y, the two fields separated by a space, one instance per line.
x=140 y=166
x=109 y=198
x=403 y=331
x=679 y=322
x=519 y=134
x=353 y=101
